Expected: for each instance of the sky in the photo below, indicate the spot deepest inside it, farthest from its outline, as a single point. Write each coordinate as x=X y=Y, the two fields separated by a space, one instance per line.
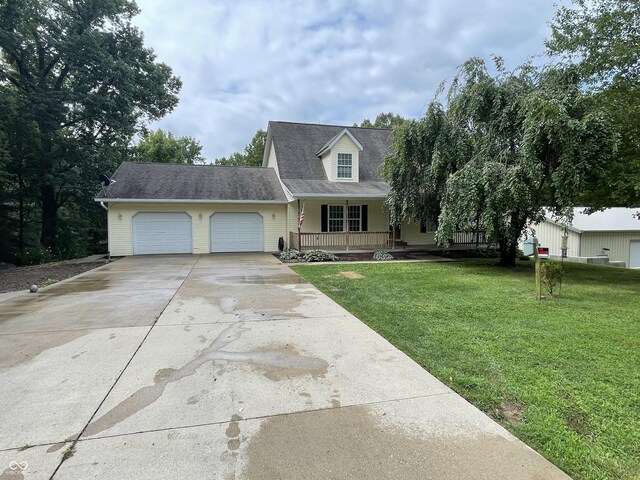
x=246 y=62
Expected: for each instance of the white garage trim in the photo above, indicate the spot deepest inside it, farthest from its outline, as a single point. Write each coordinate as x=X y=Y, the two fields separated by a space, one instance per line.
x=634 y=254
x=236 y=232
x=161 y=232
x=191 y=201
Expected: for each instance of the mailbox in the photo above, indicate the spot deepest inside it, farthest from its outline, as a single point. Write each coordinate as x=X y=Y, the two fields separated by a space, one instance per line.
x=529 y=246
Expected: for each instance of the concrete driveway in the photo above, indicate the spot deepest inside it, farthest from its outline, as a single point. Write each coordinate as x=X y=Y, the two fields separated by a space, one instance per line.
x=225 y=367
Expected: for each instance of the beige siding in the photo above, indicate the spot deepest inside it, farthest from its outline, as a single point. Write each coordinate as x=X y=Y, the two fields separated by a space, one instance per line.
x=120 y=218
x=410 y=233
x=326 y=163
x=345 y=145
x=617 y=243
x=272 y=160
x=550 y=234
x=378 y=216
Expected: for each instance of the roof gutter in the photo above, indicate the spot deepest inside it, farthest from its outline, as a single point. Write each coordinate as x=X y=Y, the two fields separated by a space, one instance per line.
x=182 y=200
x=338 y=195
x=104 y=206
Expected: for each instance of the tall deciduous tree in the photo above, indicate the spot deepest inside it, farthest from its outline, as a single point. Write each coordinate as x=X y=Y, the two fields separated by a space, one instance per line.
x=500 y=149
x=83 y=79
x=163 y=147
x=383 y=120
x=603 y=40
x=252 y=156
x=602 y=37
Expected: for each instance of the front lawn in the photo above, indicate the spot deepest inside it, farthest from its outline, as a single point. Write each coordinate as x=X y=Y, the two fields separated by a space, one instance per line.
x=563 y=375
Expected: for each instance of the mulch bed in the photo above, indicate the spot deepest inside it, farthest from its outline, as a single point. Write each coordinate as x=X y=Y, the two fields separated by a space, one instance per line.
x=21 y=278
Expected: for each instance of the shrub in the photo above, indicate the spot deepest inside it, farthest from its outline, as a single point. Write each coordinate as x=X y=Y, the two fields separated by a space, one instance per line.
x=37 y=255
x=551 y=274
x=319 y=256
x=382 y=255
x=289 y=255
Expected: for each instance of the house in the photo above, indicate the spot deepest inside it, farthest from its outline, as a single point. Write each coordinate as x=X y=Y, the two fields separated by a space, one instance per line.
x=329 y=172
x=613 y=234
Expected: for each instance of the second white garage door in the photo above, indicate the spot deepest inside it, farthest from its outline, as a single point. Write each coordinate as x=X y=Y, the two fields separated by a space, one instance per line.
x=159 y=232
x=634 y=254
x=236 y=232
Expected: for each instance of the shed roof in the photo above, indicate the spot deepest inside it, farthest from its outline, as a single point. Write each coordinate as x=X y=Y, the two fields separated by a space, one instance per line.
x=616 y=219
x=179 y=181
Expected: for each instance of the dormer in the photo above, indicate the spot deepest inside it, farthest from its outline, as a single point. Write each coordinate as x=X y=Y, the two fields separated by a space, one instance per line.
x=341 y=157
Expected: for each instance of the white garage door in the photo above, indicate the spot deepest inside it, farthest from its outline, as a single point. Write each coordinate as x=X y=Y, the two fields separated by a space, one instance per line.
x=634 y=254
x=161 y=233
x=236 y=232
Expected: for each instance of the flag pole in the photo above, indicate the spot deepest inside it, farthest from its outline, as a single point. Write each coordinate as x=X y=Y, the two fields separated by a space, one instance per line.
x=299 y=244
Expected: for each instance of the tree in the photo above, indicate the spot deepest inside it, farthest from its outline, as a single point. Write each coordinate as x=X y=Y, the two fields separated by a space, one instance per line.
x=83 y=81
x=500 y=150
x=162 y=147
x=603 y=40
x=252 y=156
x=602 y=37
x=383 y=120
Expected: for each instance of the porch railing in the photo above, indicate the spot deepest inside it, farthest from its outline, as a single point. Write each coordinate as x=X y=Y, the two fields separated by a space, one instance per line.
x=367 y=240
x=469 y=238
x=338 y=240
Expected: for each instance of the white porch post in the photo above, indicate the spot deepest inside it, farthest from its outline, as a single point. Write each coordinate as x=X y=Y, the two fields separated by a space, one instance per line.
x=346 y=223
x=298 y=223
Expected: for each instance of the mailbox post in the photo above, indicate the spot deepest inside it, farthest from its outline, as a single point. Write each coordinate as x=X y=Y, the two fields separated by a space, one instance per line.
x=531 y=248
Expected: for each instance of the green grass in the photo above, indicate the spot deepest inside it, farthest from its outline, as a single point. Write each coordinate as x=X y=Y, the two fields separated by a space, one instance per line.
x=563 y=375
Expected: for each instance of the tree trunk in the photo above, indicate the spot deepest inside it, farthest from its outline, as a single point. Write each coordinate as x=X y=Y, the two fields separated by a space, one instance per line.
x=47 y=189
x=508 y=252
x=49 y=217
x=21 y=216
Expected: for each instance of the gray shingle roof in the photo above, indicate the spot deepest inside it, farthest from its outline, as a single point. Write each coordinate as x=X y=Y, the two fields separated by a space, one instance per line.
x=296 y=146
x=320 y=187
x=169 y=181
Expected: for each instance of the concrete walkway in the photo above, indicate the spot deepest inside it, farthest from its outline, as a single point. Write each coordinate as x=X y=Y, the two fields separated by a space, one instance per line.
x=225 y=367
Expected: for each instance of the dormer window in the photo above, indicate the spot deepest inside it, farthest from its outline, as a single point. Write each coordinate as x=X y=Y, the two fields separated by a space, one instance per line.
x=345 y=166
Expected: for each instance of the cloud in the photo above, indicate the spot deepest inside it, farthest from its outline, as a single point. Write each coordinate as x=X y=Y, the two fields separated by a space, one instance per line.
x=246 y=62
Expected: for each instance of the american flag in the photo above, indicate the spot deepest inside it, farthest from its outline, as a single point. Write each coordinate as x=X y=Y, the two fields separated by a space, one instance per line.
x=301 y=217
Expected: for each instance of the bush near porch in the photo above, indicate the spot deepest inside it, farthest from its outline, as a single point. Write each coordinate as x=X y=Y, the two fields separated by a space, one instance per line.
x=563 y=375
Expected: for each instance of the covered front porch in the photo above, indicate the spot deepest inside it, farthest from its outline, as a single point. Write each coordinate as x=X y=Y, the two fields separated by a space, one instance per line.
x=335 y=241
x=339 y=224
x=347 y=224
x=340 y=240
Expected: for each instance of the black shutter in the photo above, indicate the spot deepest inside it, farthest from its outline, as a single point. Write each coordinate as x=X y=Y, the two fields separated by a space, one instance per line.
x=365 y=218
x=324 y=213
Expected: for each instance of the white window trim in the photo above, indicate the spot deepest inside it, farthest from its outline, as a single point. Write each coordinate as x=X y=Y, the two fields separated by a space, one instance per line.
x=338 y=177
x=345 y=217
x=329 y=218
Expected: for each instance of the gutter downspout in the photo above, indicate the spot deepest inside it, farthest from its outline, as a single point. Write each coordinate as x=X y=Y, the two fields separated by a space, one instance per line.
x=109 y=250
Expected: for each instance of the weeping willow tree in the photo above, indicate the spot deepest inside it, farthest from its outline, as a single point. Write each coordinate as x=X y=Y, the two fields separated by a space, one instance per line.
x=496 y=150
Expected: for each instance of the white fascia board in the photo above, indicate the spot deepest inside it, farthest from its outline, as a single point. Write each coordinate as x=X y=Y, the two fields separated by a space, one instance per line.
x=173 y=200
x=569 y=227
x=267 y=146
x=629 y=232
x=337 y=138
x=338 y=195
x=287 y=193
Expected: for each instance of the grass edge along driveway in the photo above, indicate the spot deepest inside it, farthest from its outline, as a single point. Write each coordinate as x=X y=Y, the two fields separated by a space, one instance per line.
x=563 y=375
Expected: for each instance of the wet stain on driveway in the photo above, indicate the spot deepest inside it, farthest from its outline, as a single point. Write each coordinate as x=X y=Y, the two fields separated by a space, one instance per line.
x=289 y=361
